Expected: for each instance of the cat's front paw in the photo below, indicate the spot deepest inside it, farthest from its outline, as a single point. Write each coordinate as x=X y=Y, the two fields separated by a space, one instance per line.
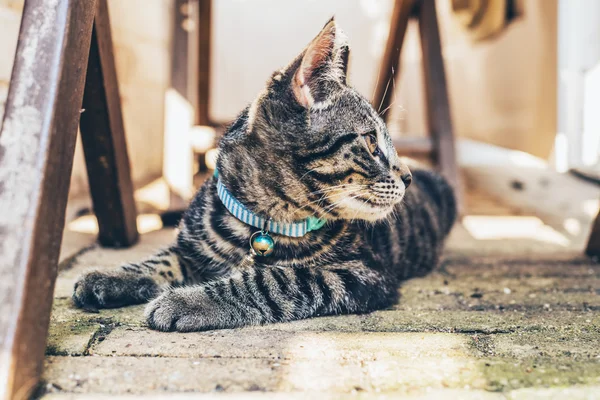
x=98 y=289
x=177 y=310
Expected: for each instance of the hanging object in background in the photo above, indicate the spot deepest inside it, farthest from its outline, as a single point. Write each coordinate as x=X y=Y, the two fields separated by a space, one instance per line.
x=485 y=19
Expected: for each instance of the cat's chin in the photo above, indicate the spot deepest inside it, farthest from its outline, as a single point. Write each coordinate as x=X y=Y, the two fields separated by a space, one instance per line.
x=356 y=209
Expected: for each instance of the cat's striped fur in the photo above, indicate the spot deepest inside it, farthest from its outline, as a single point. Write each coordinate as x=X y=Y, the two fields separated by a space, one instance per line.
x=309 y=145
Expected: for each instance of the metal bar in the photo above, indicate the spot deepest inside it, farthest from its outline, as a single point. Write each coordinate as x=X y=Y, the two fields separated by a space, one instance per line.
x=37 y=142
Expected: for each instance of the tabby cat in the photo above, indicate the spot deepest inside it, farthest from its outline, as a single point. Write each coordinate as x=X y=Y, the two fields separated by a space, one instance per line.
x=310 y=166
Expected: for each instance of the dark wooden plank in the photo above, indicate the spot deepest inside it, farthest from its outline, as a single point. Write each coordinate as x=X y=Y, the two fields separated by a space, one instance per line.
x=391 y=57
x=37 y=142
x=204 y=41
x=436 y=95
x=103 y=138
x=593 y=246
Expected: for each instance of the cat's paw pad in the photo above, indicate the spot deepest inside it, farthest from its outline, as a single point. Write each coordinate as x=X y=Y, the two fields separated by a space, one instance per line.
x=97 y=289
x=173 y=312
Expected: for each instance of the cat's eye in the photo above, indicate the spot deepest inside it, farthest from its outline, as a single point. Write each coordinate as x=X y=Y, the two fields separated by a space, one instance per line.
x=371 y=141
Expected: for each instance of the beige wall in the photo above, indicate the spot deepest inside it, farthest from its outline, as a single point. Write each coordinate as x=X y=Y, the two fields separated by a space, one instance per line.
x=141 y=34
x=251 y=39
x=502 y=91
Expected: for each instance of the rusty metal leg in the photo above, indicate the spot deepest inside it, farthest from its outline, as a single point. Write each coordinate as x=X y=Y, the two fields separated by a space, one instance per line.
x=37 y=141
x=103 y=138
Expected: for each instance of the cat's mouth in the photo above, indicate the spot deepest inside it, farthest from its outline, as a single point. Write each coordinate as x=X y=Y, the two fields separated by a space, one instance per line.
x=378 y=203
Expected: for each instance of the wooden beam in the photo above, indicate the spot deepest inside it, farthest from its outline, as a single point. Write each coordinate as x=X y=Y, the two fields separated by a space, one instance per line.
x=384 y=86
x=593 y=246
x=37 y=142
x=103 y=139
x=437 y=104
x=204 y=41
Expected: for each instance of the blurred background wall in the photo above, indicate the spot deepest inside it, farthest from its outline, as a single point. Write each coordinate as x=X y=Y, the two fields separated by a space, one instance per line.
x=503 y=91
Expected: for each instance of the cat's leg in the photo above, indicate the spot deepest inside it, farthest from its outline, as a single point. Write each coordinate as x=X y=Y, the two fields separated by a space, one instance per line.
x=258 y=295
x=131 y=283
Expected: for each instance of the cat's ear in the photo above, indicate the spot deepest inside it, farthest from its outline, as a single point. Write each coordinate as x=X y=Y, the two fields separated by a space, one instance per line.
x=323 y=67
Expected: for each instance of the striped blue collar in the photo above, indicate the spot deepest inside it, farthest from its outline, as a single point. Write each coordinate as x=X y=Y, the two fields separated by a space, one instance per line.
x=293 y=229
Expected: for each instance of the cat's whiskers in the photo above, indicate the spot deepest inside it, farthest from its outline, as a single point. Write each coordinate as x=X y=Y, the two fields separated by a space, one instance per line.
x=393 y=92
x=322 y=198
x=336 y=188
x=324 y=210
x=326 y=192
x=357 y=211
x=337 y=203
x=307 y=172
x=331 y=188
x=344 y=195
x=384 y=94
x=388 y=107
x=375 y=86
x=300 y=191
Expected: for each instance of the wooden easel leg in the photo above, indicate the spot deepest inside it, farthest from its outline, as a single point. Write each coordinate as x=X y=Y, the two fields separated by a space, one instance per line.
x=436 y=95
x=390 y=61
x=593 y=246
x=204 y=39
x=37 y=141
x=103 y=138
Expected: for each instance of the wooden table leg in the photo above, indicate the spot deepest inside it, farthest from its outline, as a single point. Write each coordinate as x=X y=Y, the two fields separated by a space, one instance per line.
x=204 y=40
x=37 y=141
x=103 y=139
x=436 y=94
x=384 y=87
x=593 y=246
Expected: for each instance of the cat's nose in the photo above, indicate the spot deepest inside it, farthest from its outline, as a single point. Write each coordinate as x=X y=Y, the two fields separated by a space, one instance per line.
x=407 y=179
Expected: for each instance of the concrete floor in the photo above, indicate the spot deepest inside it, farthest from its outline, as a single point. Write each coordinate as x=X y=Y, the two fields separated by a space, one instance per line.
x=501 y=318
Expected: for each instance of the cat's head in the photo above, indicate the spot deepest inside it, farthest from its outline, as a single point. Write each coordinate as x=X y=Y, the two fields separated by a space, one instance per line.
x=311 y=145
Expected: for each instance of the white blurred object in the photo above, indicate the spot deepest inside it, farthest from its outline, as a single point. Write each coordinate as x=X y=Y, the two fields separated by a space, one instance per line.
x=578 y=83
x=494 y=227
x=202 y=138
x=471 y=153
x=529 y=184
